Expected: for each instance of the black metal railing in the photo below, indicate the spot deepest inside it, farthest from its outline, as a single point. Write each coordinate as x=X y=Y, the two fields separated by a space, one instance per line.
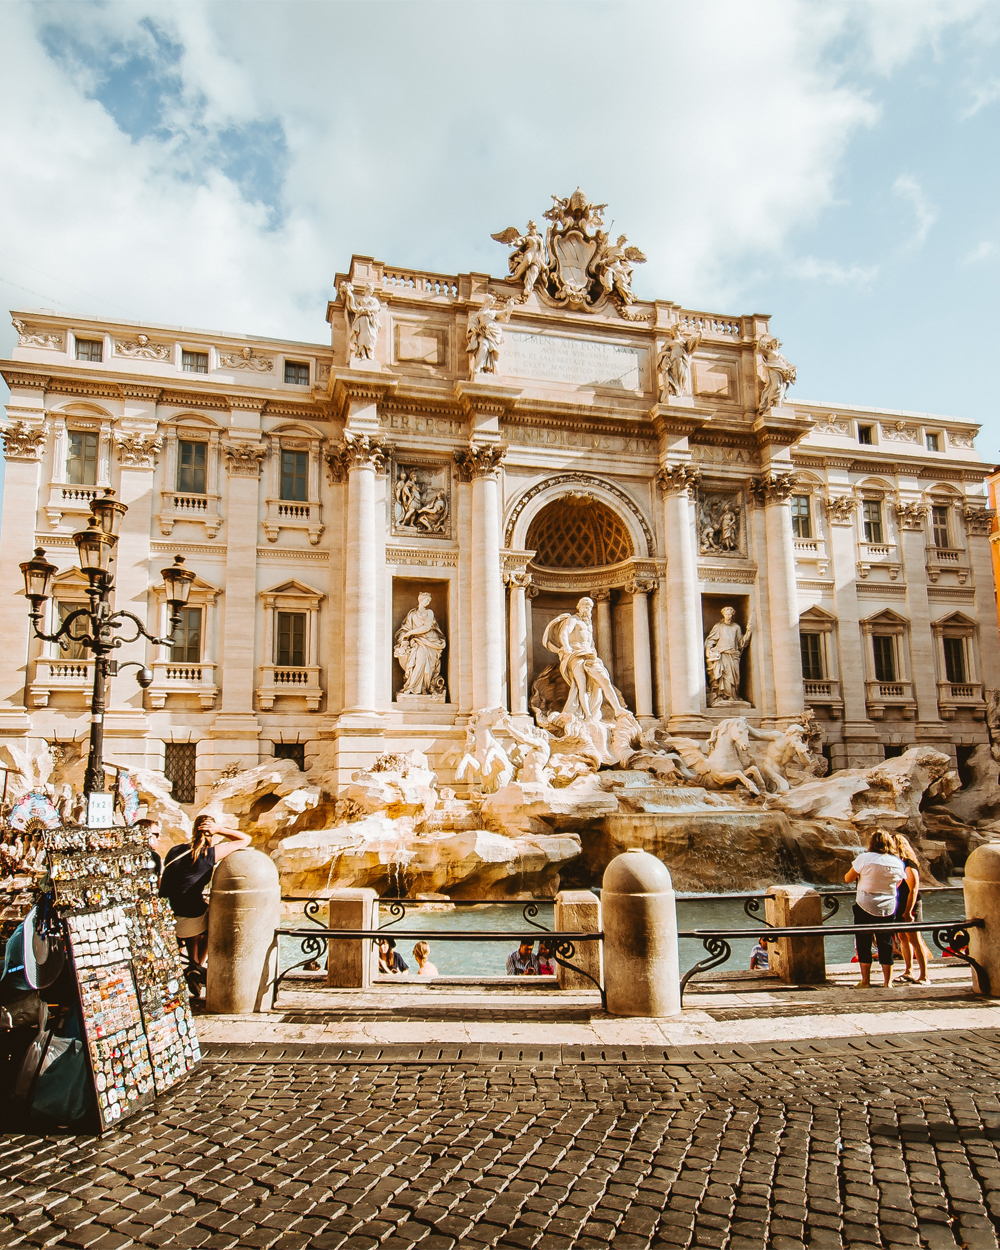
x=950 y=933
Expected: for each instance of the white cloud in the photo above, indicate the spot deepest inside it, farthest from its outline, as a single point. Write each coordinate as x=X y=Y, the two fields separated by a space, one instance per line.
x=411 y=132
x=985 y=251
x=810 y=268
x=925 y=215
x=981 y=97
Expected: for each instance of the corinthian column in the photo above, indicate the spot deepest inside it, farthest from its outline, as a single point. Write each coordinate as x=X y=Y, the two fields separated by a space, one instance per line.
x=684 y=628
x=480 y=462
x=361 y=457
x=640 y=648
x=772 y=490
x=602 y=629
x=517 y=640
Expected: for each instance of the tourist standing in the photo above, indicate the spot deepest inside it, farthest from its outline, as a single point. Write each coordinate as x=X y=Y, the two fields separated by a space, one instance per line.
x=523 y=962
x=878 y=871
x=759 y=957
x=912 y=945
x=187 y=872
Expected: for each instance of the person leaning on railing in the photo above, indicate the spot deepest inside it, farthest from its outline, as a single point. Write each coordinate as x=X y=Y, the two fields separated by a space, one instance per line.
x=187 y=873
x=878 y=871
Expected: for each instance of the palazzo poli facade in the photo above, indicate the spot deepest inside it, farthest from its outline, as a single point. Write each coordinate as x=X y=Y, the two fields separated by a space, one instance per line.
x=382 y=529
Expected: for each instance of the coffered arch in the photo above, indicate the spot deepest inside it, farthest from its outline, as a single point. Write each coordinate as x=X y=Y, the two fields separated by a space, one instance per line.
x=626 y=520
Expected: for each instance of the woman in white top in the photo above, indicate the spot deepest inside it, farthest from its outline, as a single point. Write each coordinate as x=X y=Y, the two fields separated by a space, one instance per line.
x=878 y=871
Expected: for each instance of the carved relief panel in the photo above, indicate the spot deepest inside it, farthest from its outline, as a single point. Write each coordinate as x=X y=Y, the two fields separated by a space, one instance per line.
x=420 y=504
x=721 y=523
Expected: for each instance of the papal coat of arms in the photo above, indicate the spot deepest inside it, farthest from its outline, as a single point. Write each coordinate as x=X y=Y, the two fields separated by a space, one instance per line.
x=576 y=265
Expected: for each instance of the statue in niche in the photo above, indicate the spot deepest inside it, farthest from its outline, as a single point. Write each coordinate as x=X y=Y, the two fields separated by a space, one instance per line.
x=485 y=334
x=419 y=644
x=724 y=649
x=363 y=320
x=674 y=361
x=719 y=525
x=779 y=374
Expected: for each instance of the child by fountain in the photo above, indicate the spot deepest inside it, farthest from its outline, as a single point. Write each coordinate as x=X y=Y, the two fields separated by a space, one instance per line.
x=422 y=954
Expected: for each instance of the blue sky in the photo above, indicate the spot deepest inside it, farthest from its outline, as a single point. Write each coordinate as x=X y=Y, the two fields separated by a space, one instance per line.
x=214 y=164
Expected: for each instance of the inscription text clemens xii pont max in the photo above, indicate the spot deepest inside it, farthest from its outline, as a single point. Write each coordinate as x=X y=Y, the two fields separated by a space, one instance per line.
x=582 y=362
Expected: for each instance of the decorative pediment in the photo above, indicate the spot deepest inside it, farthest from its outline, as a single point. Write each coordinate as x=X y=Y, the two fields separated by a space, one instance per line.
x=292 y=594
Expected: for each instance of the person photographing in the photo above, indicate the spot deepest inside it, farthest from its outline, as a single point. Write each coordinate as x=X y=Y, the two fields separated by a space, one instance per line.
x=187 y=872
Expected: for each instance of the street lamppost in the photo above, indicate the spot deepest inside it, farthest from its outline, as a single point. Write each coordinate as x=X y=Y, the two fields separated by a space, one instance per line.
x=95 y=545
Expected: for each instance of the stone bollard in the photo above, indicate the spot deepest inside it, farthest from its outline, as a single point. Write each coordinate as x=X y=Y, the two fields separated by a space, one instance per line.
x=640 y=943
x=579 y=910
x=982 y=901
x=796 y=960
x=243 y=912
x=349 y=963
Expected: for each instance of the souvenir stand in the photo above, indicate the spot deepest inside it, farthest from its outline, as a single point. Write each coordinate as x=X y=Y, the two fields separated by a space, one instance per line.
x=125 y=965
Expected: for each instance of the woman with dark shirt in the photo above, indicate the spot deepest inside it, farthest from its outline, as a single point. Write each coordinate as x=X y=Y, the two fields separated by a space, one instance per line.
x=911 y=945
x=187 y=871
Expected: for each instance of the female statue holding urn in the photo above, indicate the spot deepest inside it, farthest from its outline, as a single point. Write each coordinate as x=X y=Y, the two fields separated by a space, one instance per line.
x=419 y=644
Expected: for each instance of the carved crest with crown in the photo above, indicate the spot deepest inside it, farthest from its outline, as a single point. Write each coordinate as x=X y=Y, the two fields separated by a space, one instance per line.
x=576 y=265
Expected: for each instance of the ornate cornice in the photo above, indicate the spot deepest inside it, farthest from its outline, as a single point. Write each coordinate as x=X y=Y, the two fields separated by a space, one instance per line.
x=677 y=479
x=22 y=441
x=244 y=459
x=246 y=403
x=479 y=460
x=135 y=390
x=26 y=381
x=359 y=387
x=194 y=399
x=357 y=451
x=771 y=488
x=137 y=451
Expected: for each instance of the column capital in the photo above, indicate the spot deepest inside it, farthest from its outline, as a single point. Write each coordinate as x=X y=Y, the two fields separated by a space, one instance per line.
x=357 y=389
x=978 y=520
x=22 y=441
x=244 y=459
x=480 y=460
x=911 y=516
x=641 y=585
x=357 y=451
x=136 y=450
x=518 y=578
x=840 y=509
x=677 y=479
x=603 y=595
x=772 y=488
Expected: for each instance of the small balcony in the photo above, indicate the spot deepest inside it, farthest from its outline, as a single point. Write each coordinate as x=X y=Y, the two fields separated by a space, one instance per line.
x=196 y=680
x=180 y=506
x=879 y=557
x=812 y=551
x=824 y=693
x=947 y=560
x=74 y=500
x=881 y=695
x=954 y=695
x=60 y=676
x=291 y=515
x=284 y=681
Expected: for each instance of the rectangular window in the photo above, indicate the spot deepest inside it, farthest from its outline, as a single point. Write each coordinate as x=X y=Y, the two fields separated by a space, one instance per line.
x=179 y=760
x=954 y=660
x=296 y=373
x=801 y=517
x=865 y=435
x=194 y=362
x=186 y=647
x=871 y=515
x=884 y=647
x=295 y=751
x=191 y=461
x=291 y=648
x=933 y=442
x=294 y=475
x=81 y=459
x=812 y=656
x=90 y=349
x=939 y=520
x=76 y=650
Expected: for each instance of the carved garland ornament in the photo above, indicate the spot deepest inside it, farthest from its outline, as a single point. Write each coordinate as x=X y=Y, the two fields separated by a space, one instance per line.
x=136 y=451
x=357 y=451
x=772 y=488
x=840 y=509
x=573 y=480
x=27 y=337
x=911 y=516
x=24 y=442
x=142 y=349
x=479 y=460
x=244 y=459
x=677 y=479
x=247 y=360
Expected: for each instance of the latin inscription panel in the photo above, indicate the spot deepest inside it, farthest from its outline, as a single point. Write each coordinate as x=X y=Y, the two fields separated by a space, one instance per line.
x=580 y=362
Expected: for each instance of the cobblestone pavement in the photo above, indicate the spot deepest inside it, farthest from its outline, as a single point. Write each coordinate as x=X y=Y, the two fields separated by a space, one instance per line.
x=851 y=1142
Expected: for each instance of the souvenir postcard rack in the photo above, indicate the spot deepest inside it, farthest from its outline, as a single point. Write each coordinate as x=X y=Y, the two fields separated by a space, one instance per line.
x=133 y=998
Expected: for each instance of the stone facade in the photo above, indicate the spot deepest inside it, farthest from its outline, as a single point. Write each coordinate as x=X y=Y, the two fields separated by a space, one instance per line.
x=641 y=454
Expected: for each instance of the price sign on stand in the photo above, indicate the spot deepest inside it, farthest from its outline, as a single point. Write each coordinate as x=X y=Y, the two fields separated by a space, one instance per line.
x=100 y=810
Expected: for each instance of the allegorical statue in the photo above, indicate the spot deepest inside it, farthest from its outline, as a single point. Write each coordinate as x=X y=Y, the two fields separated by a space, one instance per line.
x=527 y=262
x=724 y=649
x=614 y=267
x=363 y=320
x=485 y=334
x=674 y=362
x=778 y=372
x=419 y=644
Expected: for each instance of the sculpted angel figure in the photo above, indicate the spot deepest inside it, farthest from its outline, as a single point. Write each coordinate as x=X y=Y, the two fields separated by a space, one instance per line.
x=527 y=262
x=419 y=644
x=724 y=649
x=614 y=267
x=485 y=334
x=779 y=374
x=674 y=362
x=363 y=320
